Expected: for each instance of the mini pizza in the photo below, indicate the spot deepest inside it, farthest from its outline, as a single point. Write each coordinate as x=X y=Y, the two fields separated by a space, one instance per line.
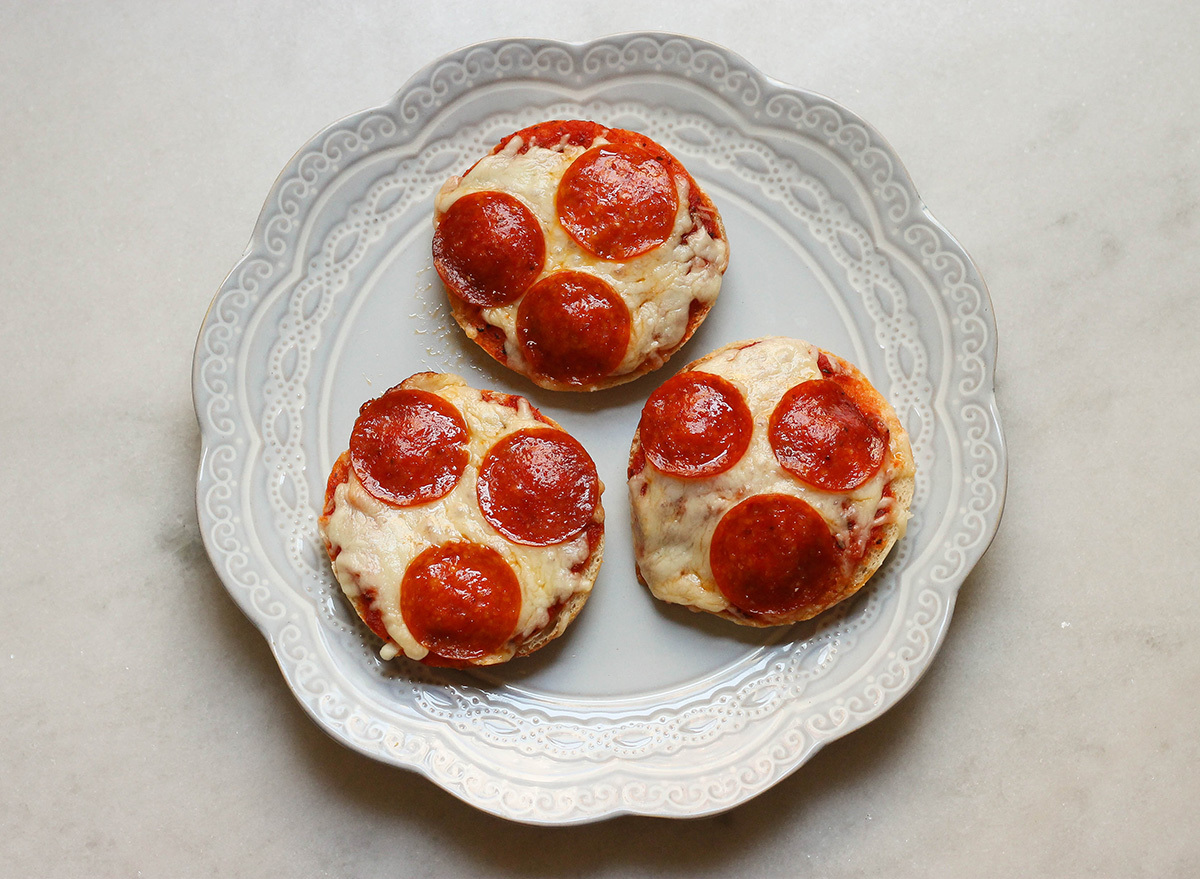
x=578 y=255
x=768 y=481
x=464 y=526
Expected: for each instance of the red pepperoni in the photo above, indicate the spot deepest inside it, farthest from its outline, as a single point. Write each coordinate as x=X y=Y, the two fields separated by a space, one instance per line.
x=538 y=486
x=555 y=133
x=617 y=201
x=696 y=424
x=773 y=554
x=461 y=600
x=488 y=248
x=573 y=327
x=408 y=447
x=821 y=435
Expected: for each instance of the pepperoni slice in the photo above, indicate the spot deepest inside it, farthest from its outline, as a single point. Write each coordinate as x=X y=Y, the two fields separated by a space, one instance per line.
x=408 y=447
x=488 y=248
x=696 y=424
x=573 y=327
x=774 y=554
x=821 y=435
x=538 y=486
x=461 y=600
x=617 y=201
x=555 y=133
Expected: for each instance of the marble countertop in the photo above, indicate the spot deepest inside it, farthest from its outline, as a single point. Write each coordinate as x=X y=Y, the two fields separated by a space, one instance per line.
x=148 y=731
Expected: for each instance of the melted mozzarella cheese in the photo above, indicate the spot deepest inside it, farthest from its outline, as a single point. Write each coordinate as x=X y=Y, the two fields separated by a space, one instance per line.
x=674 y=518
x=378 y=542
x=658 y=286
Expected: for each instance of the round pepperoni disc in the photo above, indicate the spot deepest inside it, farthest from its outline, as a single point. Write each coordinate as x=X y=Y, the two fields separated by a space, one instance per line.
x=773 y=554
x=573 y=327
x=408 y=447
x=617 y=201
x=538 y=486
x=696 y=424
x=488 y=248
x=821 y=435
x=461 y=600
x=555 y=133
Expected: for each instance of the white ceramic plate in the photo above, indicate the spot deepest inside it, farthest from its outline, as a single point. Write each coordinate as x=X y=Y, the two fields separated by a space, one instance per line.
x=640 y=708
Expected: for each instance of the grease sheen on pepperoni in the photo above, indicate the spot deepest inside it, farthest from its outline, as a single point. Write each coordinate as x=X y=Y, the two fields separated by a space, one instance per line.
x=460 y=600
x=538 y=486
x=695 y=424
x=618 y=201
x=555 y=133
x=573 y=327
x=408 y=447
x=773 y=554
x=821 y=435
x=488 y=248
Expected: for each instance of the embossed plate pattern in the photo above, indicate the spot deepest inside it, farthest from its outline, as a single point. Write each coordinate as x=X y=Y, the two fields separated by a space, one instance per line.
x=640 y=708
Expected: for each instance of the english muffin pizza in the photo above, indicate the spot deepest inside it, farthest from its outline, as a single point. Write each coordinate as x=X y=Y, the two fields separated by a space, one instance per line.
x=463 y=525
x=578 y=255
x=768 y=481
